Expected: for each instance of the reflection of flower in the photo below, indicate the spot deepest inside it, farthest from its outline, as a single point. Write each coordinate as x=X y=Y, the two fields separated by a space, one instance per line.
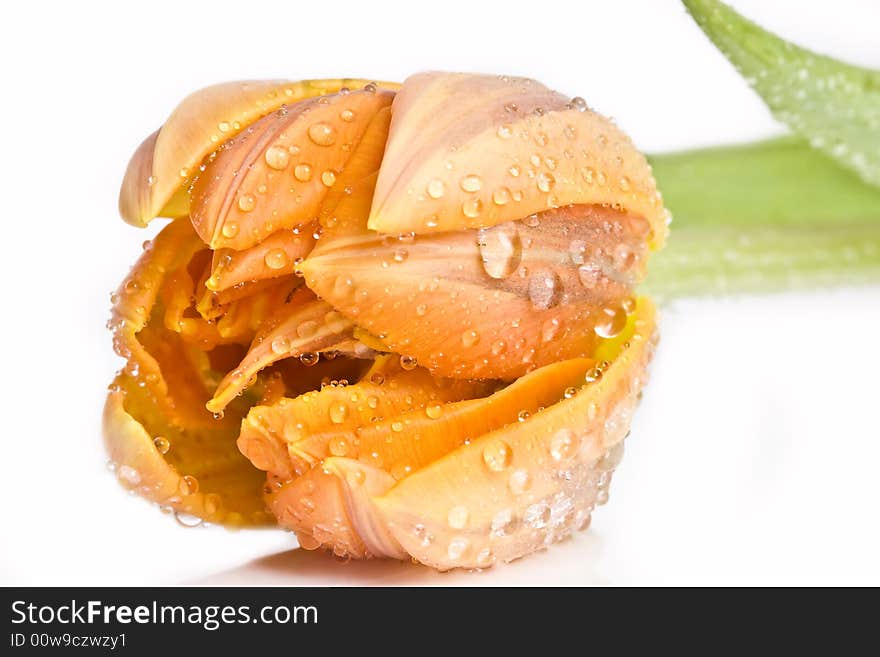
x=402 y=321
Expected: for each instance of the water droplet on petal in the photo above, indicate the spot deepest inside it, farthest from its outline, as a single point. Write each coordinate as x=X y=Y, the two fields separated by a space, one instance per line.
x=276 y=259
x=277 y=157
x=338 y=413
x=302 y=172
x=471 y=183
x=434 y=410
x=246 y=202
x=408 y=362
x=563 y=445
x=436 y=188
x=544 y=289
x=500 y=249
x=280 y=345
x=611 y=321
x=545 y=181
x=308 y=358
x=472 y=208
x=162 y=444
x=497 y=455
x=458 y=517
x=457 y=547
x=469 y=338
x=323 y=134
x=519 y=481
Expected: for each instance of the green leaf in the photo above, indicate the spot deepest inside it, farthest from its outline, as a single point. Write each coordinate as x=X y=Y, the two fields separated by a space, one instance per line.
x=762 y=217
x=836 y=106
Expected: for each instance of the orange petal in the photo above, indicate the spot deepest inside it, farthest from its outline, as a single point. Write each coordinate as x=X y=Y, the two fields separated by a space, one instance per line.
x=275 y=174
x=472 y=151
x=410 y=441
x=163 y=165
x=353 y=192
x=275 y=256
x=304 y=326
x=293 y=435
x=500 y=496
x=492 y=303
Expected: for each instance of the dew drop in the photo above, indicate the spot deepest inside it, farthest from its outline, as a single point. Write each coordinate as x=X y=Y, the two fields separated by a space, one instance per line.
x=545 y=181
x=308 y=328
x=434 y=411
x=503 y=523
x=187 y=520
x=563 y=445
x=550 y=329
x=471 y=183
x=436 y=188
x=308 y=358
x=505 y=131
x=246 y=202
x=485 y=558
x=408 y=362
x=338 y=413
x=497 y=455
x=189 y=485
x=519 y=481
x=537 y=515
x=544 y=289
x=162 y=444
x=500 y=249
x=280 y=345
x=457 y=547
x=277 y=157
x=501 y=196
x=302 y=172
x=469 y=338
x=347 y=115
x=323 y=134
x=611 y=321
x=328 y=178
x=498 y=347
x=276 y=259
x=472 y=208
x=229 y=230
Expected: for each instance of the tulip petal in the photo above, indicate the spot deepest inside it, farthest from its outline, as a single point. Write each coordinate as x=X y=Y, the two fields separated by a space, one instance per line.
x=505 y=493
x=163 y=165
x=274 y=257
x=473 y=151
x=303 y=326
x=492 y=303
x=161 y=440
x=293 y=435
x=276 y=173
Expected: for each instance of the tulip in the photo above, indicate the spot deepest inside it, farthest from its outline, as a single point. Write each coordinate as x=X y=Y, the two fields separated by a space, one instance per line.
x=398 y=320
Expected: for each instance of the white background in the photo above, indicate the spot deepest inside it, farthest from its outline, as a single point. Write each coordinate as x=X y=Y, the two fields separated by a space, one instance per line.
x=754 y=456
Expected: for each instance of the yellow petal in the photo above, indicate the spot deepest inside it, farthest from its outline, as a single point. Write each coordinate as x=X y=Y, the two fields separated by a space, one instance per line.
x=472 y=151
x=162 y=443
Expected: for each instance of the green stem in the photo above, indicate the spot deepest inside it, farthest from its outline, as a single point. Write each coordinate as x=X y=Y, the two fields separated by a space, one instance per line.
x=763 y=217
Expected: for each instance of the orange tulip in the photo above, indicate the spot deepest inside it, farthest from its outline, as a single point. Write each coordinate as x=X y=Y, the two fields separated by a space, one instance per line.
x=398 y=320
